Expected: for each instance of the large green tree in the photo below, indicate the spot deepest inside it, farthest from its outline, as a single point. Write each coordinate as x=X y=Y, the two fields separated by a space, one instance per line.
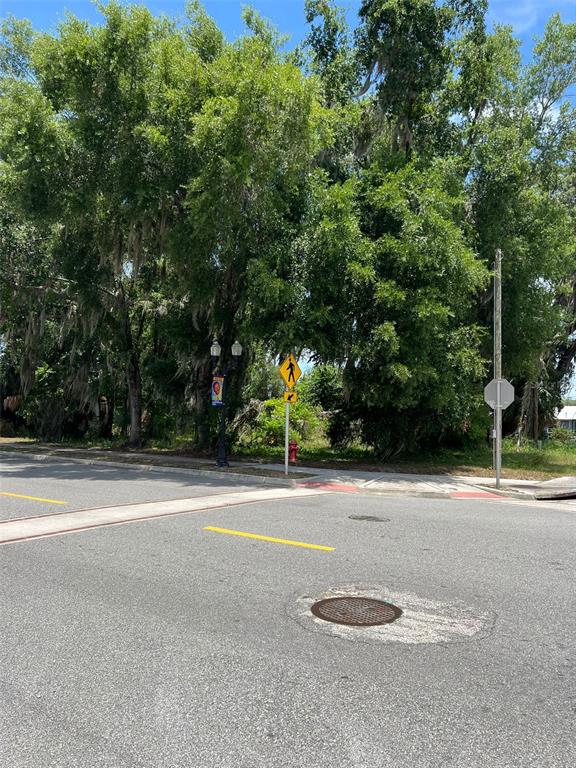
x=172 y=167
x=518 y=134
x=95 y=140
x=255 y=139
x=391 y=287
x=440 y=87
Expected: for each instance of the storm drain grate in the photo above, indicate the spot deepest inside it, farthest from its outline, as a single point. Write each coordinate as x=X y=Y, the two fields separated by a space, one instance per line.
x=356 y=611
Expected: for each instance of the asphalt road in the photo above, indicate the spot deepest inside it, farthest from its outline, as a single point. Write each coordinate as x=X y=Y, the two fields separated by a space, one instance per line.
x=79 y=486
x=162 y=645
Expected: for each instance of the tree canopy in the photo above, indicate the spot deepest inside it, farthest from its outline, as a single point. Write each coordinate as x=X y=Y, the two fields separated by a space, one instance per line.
x=161 y=186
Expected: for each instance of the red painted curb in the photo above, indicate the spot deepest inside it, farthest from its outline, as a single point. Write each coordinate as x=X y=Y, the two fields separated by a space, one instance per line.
x=475 y=495
x=330 y=486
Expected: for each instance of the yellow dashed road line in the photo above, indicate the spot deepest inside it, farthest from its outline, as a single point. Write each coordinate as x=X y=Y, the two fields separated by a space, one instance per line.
x=31 y=498
x=269 y=538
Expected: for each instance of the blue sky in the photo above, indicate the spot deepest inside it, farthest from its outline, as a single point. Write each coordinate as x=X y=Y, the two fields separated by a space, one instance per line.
x=526 y=16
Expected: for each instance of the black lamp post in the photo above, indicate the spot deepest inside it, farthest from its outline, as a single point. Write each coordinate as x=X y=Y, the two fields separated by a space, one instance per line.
x=215 y=352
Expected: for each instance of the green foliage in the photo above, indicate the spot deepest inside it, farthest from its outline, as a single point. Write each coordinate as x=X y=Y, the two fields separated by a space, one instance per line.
x=322 y=387
x=333 y=57
x=203 y=32
x=53 y=408
x=402 y=50
x=16 y=41
x=473 y=432
x=519 y=154
x=269 y=427
x=160 y=186
x=561 y=435
x=263 y=382
x=394 y=251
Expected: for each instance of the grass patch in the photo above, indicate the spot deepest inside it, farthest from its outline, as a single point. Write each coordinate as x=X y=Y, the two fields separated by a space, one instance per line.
x=526 y=463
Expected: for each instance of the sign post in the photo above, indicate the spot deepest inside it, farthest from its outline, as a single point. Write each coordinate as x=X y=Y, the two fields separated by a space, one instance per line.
x=286 y=429
x=498 y=359
x=290 y=372
x=499 y=394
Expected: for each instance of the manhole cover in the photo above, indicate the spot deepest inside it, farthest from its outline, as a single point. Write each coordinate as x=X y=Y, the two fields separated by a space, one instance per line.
x=370 y=518
x=356 y=611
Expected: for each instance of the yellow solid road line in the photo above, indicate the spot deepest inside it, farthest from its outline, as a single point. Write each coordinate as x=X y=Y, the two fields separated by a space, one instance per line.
x=32 y=498
x=269 y=538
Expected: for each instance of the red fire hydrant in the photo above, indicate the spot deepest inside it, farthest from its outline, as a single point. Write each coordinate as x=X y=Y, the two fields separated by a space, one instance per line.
x=293 y=451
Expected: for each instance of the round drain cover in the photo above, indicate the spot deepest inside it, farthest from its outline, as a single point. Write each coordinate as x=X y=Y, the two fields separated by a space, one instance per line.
x=356 y=611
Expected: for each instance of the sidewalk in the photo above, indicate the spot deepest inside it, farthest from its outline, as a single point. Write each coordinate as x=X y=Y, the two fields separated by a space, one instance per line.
x=338 y=480
x=453 y=485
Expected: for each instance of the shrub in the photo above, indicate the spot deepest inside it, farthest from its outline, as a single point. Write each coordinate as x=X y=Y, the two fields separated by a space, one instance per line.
x=561 y=435
x=267 y=429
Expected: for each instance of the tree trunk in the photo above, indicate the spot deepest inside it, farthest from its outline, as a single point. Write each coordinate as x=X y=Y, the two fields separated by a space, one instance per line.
x=529 y=423
x=130 y=343
x=134 y=382
x=202 y=405
x=106 y=415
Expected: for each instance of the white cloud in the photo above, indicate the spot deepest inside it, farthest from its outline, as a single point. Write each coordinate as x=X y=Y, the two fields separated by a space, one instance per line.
x=529 y=15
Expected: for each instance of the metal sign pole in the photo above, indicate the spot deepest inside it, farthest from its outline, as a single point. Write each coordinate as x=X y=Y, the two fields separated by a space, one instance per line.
x=498 y=360
x=286 y=438
x=498 y=414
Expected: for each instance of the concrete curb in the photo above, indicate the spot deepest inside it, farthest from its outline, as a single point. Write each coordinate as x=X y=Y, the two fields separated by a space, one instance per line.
x=508 y=493
x=560 y=496
x=534 y=495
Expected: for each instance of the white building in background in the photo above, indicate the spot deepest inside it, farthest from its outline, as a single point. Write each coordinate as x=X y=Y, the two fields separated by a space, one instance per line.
x=566 y=417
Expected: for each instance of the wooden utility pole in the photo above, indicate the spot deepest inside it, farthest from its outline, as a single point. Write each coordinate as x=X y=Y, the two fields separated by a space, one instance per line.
x=498 y=363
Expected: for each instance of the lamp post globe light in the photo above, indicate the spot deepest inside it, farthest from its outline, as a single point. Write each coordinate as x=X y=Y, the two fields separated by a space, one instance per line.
x=215 y=353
